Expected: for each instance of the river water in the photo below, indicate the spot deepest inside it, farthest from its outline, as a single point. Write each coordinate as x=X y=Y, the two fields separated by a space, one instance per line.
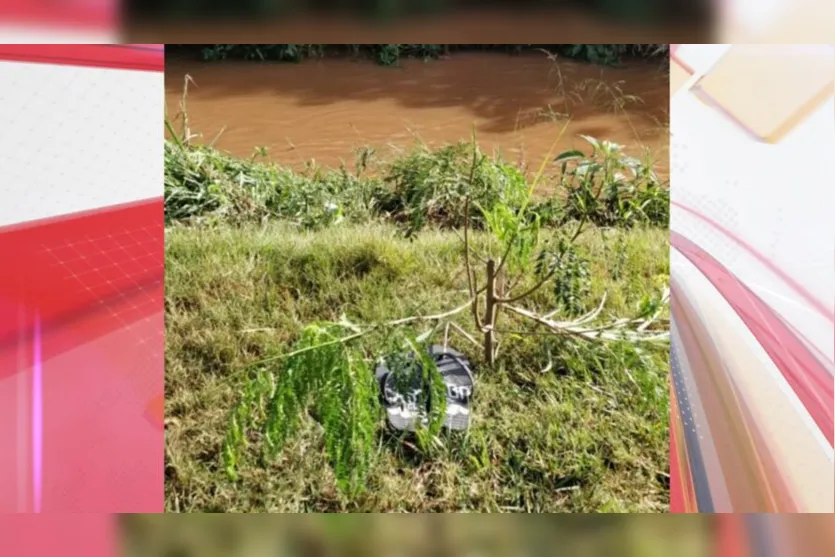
x=324 y=110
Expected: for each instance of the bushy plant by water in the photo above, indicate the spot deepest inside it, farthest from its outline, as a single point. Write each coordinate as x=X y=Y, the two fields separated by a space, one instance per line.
x=420 y=188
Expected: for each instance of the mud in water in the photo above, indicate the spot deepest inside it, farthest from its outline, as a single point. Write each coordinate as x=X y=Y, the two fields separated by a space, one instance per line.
x=324 y=110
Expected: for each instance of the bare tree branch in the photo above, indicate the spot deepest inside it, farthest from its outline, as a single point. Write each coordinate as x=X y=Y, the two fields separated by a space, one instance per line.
x=613 y=331
x=362 y=332
x=548 y=276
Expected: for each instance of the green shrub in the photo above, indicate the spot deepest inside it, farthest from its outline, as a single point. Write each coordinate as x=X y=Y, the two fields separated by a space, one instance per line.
x=421 y=188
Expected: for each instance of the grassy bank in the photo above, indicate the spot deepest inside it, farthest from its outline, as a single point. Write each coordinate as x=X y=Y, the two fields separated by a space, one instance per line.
x=593 y=438
x=256 y=253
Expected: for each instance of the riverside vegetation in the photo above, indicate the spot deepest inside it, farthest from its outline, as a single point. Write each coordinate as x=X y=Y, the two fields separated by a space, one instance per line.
x=391 y=54
x=284 y=287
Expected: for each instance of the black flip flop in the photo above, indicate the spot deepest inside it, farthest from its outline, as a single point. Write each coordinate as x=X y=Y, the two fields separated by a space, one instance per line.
x=401 y=400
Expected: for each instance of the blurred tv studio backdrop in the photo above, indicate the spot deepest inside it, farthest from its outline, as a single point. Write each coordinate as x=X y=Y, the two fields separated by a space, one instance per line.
x=419 y=21
x=210 y=535
x=468 y=536
x=105 y=21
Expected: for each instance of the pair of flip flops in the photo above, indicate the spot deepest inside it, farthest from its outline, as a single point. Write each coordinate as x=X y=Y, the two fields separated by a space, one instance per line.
x=400 y=394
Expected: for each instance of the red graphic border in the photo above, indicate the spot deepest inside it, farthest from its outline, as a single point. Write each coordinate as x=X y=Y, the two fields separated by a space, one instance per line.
x=104 y=16
x=141 y=57
x=34 y=279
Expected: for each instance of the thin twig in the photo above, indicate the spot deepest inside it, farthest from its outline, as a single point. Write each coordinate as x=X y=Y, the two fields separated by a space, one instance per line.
x=470 y=278
x=472 y=283
x=530 y=291
x=342 y=340
x=473 y=253
x=588 y=316
x=364 y=332
x=579 y=228
x=515 y=283
x=506 y=253
x=435 y=317
x=463 y=333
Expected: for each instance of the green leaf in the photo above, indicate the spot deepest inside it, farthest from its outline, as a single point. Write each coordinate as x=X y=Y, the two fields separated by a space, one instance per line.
x=569 y=155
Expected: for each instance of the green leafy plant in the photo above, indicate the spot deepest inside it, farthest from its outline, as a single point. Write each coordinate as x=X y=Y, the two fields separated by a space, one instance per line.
x=572 y=278
x=610 y=188
x=328 y=376
x=518 y=250
x=430 y=187
x=324 y=375
x=423 y=188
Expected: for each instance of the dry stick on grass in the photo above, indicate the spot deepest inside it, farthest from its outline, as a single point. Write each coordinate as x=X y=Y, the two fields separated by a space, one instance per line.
x=361 y=332
x=596 y=333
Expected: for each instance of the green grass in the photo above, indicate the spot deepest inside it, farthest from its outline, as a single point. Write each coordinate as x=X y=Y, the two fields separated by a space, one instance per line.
x=595 y=439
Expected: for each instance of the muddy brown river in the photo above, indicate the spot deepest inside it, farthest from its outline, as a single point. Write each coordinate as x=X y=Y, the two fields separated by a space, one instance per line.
x=324 y=110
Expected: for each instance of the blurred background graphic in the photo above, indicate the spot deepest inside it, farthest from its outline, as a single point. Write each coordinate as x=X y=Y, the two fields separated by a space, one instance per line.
x=60 y=21
x=438 y=21
x=415 y=536
x=752 y=278
x=350 y=21
x=442 y=21
x=81 y=323
x=183 y=535
x=467 y=536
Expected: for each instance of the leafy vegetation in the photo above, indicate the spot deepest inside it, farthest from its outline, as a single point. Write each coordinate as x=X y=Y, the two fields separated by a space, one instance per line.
x=327 y=364
x=424 y=187
x=391 y=54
